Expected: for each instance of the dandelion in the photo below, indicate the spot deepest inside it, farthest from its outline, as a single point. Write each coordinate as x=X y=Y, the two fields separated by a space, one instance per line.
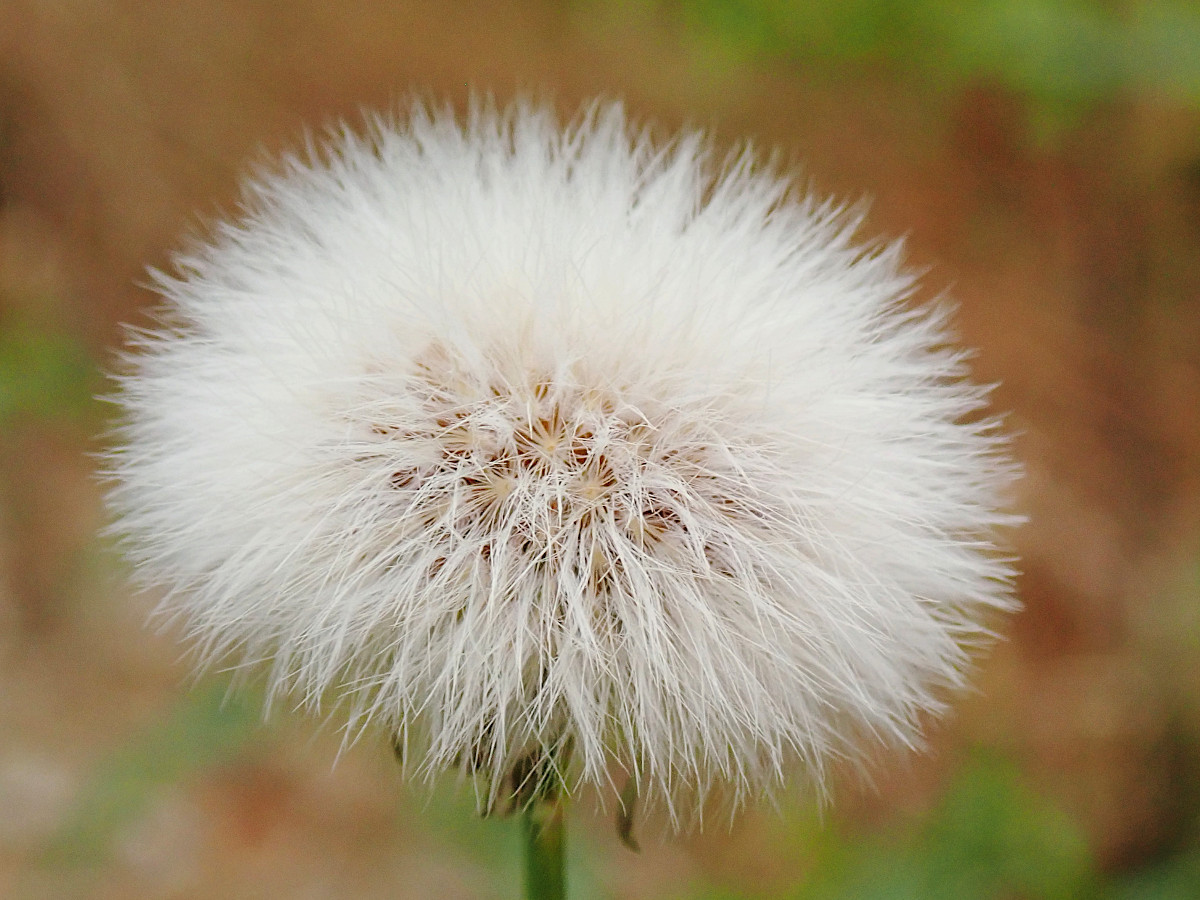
x=567 y=458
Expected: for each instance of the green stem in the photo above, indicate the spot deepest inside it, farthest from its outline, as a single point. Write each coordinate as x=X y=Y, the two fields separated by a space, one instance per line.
x=544 y=842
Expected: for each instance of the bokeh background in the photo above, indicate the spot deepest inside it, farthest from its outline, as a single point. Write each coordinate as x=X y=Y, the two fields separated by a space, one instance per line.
x=1042 y=158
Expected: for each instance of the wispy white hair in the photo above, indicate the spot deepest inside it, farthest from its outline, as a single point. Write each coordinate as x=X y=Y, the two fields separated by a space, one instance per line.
x=532 y=443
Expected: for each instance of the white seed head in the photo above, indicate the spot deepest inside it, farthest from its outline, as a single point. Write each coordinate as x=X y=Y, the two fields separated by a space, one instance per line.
x=540 y=443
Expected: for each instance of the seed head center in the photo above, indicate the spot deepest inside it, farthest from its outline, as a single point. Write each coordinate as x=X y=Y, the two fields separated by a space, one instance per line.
x=544 y=471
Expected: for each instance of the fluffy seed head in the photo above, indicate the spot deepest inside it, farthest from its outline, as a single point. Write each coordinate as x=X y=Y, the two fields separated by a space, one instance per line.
x=533 y=443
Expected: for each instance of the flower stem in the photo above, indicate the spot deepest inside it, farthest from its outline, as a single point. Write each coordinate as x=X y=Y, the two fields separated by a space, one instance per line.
x=545 y=839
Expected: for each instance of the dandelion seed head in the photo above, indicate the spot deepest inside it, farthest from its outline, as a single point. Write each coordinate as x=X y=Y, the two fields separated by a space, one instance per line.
x=529 y=442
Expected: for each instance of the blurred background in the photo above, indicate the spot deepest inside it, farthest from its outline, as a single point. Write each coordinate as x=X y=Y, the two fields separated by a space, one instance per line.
x=1042 y=158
